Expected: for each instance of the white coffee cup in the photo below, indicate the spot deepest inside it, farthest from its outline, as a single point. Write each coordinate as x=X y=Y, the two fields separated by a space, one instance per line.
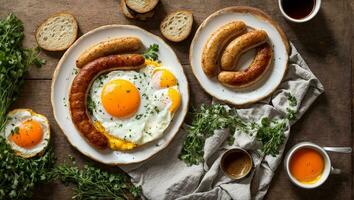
x=328 y=168
x=313 y=13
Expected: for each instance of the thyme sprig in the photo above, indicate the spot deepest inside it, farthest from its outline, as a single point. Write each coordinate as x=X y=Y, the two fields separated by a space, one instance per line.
x=93 y=183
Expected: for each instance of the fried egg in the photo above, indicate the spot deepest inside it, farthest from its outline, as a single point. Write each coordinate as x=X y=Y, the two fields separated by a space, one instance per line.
x=133 y=108
x=27 y=132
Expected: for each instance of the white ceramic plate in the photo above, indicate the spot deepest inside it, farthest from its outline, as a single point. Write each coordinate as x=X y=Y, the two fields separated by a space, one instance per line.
x=254 y=18
x=65 y=73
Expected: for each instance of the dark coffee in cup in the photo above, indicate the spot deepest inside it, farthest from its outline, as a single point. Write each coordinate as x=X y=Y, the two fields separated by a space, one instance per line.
x=298 y=9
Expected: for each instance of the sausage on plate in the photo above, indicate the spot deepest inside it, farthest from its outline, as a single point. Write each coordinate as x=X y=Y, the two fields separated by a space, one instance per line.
x=238 y=46
x=81 y=85
x=215 y=44
x=109 y=47
x=260 y=64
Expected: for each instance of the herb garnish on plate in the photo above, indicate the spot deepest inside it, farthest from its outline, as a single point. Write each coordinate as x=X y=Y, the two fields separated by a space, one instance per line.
x=210 y=118
x=151 y=52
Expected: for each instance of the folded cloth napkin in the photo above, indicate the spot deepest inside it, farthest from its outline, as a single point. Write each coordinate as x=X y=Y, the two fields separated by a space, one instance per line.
x=166 y=177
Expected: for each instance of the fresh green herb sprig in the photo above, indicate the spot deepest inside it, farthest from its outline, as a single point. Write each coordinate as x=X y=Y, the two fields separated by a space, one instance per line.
x=93 y=183
x=271 y=134
x=206 y=121
x=210 y=118
x=18 y=176
x=152 y=52
x=291 y=112
x=14 y=62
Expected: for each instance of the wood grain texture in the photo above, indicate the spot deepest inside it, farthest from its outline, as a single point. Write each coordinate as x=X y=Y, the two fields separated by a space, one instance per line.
x=325 y=43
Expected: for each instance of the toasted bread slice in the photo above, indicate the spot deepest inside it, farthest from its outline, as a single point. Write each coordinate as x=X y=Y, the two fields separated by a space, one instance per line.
x=177 y=25
x=125 y=10
x=131 y=14
x=57 y=33
x=141 y=6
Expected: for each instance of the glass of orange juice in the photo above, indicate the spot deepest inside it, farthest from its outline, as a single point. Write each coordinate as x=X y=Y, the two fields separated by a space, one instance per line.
x=308 y=165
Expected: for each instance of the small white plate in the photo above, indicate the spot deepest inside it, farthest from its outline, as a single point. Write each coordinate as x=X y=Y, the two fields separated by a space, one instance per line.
x=65 y=73
x=254 y=18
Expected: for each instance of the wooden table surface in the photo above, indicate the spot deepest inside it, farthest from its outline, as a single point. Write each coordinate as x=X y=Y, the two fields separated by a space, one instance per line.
x=325 y=43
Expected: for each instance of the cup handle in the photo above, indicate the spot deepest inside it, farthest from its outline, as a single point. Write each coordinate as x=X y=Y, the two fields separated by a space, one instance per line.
x=335 y=170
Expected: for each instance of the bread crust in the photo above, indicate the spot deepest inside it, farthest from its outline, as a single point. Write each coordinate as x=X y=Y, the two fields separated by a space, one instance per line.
x=76 y=27
x=147 y=9
x=256 y=70
x=81 y=85
x=124 y=9
x=216 y=43
x=239 y=45
x=109 y=47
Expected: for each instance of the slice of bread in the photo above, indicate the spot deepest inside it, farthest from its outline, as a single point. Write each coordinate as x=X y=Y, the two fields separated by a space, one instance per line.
x=57 y=33
x=141 y=6
x=131 y=14
x=125 y=10
x=177 y=25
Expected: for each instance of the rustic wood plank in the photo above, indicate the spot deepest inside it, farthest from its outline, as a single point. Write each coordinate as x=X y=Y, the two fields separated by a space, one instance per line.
x=324 y=43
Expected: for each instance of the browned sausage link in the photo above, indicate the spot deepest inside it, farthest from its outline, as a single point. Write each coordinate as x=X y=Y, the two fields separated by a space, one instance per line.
x=240 y=45
x=244 y=78
x=81 y=84
x=109 y=47
x=216 y=43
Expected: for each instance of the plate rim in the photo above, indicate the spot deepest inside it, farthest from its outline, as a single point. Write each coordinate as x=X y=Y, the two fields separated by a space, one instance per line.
x=59 y=65
x=241 y=9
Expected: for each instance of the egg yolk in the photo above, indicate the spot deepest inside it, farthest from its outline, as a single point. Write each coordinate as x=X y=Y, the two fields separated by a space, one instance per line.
x=165 y=78
x=29 y=134
x=175 y=98
x=120 y=98
x=115 y=143
x=149 y=62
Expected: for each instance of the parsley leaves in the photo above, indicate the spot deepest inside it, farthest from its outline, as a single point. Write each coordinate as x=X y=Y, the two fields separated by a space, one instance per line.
x=151 y=52
x=210 y=118
x=14 y=62
x=19 y=176
x=91 y=106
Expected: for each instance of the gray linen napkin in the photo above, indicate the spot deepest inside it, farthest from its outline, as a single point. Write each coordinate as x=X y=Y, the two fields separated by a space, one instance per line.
x=166 y=177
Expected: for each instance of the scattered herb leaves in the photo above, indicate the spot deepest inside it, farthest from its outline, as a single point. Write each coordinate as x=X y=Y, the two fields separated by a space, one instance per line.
x=91 y=106
x=210 y=118
x=292 y=100
x=15 y=130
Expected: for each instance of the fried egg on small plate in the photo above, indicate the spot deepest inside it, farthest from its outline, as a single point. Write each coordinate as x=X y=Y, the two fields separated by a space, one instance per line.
x=172 y=98
x=26 y=132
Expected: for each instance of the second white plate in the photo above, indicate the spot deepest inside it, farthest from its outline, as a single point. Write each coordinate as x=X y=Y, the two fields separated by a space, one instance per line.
x=254 y=18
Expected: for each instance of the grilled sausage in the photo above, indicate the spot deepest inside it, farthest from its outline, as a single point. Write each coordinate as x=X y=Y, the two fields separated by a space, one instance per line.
x=216 y=43
x=109 y=47
x=247 y=41
x=260 y=64
x=81 y=85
